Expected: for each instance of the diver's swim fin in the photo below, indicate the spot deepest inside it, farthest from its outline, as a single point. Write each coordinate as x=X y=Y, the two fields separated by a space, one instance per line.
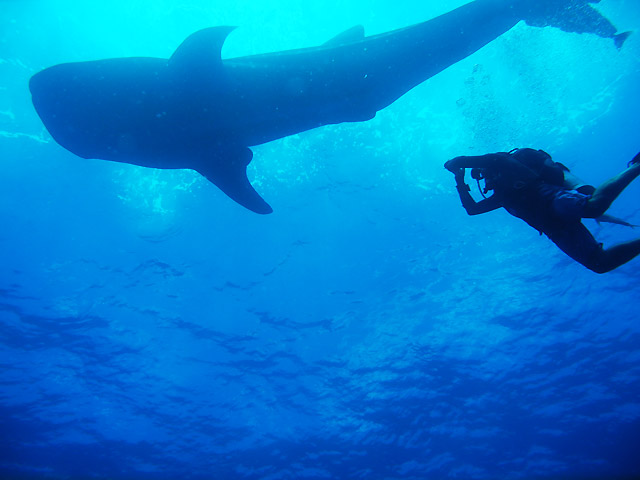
x=615 y=220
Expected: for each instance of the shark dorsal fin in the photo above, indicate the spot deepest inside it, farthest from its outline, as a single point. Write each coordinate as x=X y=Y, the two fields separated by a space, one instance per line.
x=351 y=35
x=200 y=48
x=228 y=171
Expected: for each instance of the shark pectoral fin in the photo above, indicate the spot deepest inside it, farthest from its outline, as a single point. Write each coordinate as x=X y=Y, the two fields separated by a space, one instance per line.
x=229 y=173
x=197 y=48
x=352 y=35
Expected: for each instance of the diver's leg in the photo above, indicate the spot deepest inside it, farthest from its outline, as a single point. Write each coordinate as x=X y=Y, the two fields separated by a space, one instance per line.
x=606 y=193
x=617 y=255
x=576 y=241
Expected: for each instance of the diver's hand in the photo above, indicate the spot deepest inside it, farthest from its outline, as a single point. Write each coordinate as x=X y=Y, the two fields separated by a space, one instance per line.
x=633 y=161
x=450 y=165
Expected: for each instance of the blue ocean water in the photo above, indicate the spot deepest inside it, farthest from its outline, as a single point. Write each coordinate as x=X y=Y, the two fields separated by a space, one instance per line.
x=150 y=328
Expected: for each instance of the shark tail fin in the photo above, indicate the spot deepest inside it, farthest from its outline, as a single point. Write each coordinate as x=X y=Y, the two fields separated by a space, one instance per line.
x=574 y=16
x=620 y=38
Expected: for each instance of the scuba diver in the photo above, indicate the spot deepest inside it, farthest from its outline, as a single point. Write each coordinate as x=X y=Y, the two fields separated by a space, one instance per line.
x=546 y=195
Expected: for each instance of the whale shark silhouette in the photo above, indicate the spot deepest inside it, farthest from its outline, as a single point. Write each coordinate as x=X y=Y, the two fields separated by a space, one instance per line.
x=198 y=111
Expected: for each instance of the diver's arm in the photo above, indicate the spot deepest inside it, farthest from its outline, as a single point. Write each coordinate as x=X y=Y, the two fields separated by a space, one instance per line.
x=470 y=205
x=497 y=162
x=490 y=160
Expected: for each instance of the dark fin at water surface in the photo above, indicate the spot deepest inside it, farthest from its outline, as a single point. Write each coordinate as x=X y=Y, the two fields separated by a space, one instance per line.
x=351 y=35
x=620 y=38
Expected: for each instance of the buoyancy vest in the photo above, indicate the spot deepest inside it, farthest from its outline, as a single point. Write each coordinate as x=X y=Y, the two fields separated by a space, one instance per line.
x=541 y=164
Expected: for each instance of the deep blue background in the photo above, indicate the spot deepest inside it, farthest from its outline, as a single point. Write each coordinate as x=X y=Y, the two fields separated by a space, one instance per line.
x=151 y=328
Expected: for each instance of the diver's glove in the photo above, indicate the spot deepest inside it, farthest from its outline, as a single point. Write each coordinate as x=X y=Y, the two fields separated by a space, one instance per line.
x=634 y=160
x=451 y=165
x=448 y=166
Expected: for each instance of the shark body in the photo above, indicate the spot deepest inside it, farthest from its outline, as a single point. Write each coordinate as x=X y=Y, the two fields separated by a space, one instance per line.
x=198 y=111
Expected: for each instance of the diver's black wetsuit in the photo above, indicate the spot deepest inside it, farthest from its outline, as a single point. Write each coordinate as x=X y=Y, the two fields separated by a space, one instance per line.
x=537 y=193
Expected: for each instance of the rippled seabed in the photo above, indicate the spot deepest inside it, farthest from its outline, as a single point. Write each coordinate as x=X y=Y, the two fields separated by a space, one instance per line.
x=151 y=328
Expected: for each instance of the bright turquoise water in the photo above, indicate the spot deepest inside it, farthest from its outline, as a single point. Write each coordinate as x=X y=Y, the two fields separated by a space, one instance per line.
x=368 y=328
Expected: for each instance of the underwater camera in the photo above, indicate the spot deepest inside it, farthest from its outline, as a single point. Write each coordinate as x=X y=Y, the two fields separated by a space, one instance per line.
x=478 y=174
